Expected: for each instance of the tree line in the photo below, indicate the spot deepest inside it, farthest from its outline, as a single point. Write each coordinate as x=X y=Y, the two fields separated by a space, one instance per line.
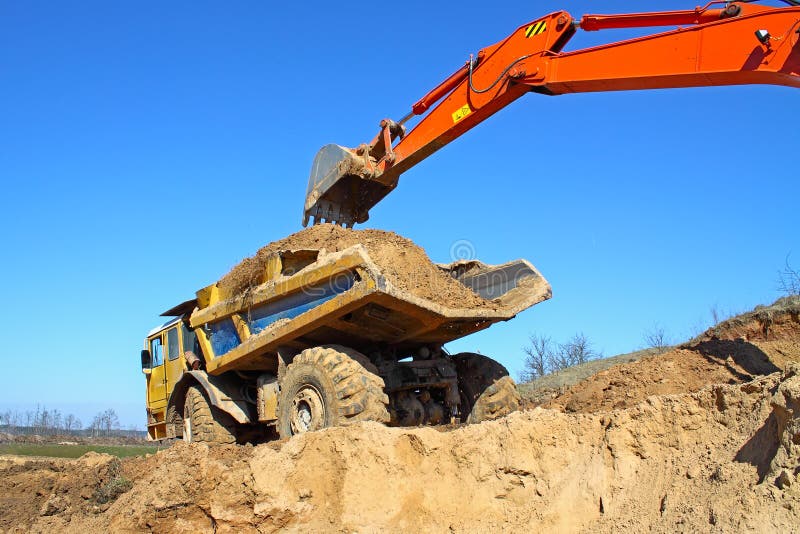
x=50 y=422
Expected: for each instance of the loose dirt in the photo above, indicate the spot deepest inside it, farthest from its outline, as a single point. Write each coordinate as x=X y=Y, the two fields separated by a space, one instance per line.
x=723 y=459
x=403 y=263
x=54 y=487
x=704 y=437
x=735 y=351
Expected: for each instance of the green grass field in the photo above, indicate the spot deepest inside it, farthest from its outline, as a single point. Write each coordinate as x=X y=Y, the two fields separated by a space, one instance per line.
x=75 y=451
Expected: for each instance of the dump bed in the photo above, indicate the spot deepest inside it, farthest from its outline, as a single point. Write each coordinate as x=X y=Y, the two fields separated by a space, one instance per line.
x=310 y=297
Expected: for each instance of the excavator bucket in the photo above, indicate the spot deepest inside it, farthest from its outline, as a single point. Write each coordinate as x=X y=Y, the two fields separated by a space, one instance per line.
x=341 y=188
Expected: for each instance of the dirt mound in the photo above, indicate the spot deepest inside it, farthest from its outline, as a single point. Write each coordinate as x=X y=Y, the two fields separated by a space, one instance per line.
x=58 y=488
x=735 y=351
x=725 y=458
x=405 y=264
x=623 y=386
x=773 y=330
x=694 y=439
x=544 y=388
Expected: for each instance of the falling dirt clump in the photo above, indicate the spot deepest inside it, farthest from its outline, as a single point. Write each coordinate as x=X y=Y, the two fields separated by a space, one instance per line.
x=404 y=264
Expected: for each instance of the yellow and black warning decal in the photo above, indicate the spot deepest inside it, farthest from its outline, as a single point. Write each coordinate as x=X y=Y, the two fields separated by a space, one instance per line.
x=461 y=112
x=535 y=29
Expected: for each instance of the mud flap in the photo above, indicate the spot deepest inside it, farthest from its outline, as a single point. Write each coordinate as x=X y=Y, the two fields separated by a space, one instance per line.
x=222 y=393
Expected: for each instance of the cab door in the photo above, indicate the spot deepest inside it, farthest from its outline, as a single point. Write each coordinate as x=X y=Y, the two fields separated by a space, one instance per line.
x=156 y=379
x=174 y=364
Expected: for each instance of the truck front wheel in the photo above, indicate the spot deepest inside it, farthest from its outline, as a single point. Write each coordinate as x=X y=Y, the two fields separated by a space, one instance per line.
x=329 y=386
x=487 y=392
x=205 y=423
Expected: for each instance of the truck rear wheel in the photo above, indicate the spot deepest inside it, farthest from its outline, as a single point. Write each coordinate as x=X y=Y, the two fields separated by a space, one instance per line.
x=205 y=423
x=329 y=386
x=487 y=392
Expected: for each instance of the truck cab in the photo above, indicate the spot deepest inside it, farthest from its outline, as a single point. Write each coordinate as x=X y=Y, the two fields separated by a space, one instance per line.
x=163 y=363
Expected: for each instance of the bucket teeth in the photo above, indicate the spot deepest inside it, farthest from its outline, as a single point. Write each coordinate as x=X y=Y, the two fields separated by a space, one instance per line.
x=330 y=215
x=340 y=188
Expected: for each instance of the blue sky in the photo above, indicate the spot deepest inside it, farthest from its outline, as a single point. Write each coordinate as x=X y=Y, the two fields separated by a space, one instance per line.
x=146 y=148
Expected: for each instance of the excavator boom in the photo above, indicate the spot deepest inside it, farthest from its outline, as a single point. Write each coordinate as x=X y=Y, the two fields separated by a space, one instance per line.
x=722 y=43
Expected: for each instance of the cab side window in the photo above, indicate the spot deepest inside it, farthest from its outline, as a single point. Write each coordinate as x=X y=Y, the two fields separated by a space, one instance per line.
x=173 y=347
x=157 y=351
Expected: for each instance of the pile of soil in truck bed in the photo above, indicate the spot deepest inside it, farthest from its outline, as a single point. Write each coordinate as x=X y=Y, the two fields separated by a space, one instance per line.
x=404 y=264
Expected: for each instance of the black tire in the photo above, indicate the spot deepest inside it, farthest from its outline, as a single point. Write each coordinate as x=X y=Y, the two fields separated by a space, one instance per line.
x=174 y=422
x=487 y=392
x=329 y=386
x=205 y=423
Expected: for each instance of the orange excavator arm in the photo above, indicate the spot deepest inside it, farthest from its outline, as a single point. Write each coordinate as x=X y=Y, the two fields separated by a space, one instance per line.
x=723 y=43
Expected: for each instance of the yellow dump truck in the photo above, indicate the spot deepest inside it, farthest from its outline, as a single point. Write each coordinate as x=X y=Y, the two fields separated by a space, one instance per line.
x=324 y=339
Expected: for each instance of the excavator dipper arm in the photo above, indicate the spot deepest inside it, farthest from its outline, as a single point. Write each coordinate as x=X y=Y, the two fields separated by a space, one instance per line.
x=720 y=44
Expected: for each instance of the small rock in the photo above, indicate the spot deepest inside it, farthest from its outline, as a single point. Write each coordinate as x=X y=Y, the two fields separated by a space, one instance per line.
x=52 y=506
x=720 y=474
x=712 y=517
x=784 y=480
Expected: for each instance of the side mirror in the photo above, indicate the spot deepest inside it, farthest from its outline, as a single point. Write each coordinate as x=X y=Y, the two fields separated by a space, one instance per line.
x=147 y=361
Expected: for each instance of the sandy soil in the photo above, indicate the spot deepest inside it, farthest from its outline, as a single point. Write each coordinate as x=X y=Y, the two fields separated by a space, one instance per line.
x=724 y=459
x=702 y=438
x=734 y=352
x=405 y=264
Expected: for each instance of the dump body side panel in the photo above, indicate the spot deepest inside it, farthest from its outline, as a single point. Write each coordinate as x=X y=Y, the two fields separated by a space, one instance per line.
x=344 y=298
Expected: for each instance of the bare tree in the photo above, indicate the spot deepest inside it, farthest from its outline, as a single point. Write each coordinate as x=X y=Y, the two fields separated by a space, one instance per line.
x=577 y=350
x=789 y=280
x=716 y=314
x=104 y=423
x=545 y=357
x=656 y=338
x=95 y=426
x=110 y=421
x=719 y=314
x=71 y=423
x=538 y=356
x=42 y=421
x=56 y=421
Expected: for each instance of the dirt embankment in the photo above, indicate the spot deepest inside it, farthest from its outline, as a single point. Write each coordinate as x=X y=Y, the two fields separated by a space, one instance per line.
x=47 y=488
x=724 y=459
x=735 y=351
x=403 y=263
x=705 y=437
